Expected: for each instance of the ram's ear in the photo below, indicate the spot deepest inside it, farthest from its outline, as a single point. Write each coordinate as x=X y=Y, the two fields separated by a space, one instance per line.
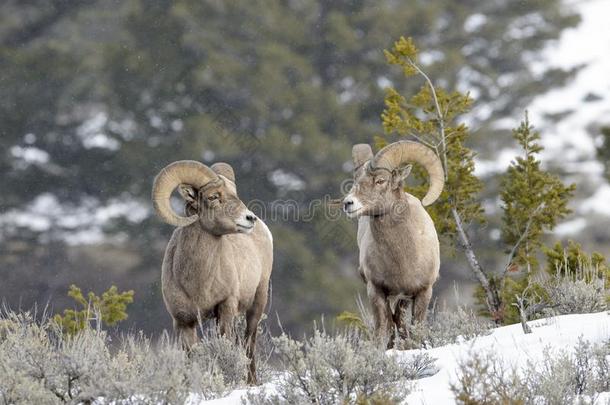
x=189 y=194
x=399 y=176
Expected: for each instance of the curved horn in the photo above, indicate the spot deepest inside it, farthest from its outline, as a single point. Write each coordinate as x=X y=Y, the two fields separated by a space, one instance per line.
x=181 y=172
x=361 y=153
x=398 y=153
x=224 y=169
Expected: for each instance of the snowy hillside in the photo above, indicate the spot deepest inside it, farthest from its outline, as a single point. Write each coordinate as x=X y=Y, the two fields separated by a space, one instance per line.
x=509 y=343
x=515 y=348
x=568 y=117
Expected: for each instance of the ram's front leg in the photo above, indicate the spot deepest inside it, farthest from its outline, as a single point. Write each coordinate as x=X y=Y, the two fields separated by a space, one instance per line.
x=420 y=304
x=227 y=310
x=185 y=328
x=381 y=312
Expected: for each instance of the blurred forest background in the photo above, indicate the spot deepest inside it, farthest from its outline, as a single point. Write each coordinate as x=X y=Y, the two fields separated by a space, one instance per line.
x=96 y=96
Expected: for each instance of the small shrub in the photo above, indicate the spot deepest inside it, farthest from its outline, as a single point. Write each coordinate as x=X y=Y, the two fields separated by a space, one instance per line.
x=345 y=368
x=484 y=380
x=578 y=282
x=575 y=295
x=353 y=320
x=560 y=377
x=109 y=309
x=573 y=283
x=447 y=327
x=231 y=363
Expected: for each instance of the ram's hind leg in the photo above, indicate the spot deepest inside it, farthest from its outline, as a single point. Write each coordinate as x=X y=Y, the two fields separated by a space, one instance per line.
x=399 y=318
x=253 y=317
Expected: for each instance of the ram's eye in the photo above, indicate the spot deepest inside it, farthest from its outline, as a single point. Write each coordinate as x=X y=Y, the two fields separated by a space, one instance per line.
x=213 y=197
x=379 y=181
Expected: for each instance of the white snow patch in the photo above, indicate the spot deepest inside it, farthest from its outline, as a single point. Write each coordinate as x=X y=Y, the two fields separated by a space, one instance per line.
x=503 y=159
x=598 y=202
x=30 y=154
x=92 y=135
x=474 y=22
x=572 y=227
x=80 y=224
x=286 y=180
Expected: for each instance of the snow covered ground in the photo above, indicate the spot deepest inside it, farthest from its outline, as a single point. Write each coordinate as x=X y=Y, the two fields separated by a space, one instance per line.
x=508 y=342
x=513 y=346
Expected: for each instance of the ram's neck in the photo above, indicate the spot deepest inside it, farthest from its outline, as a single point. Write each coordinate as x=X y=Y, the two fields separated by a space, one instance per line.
x=203 y=247
x=388 y=227
x=391 y=230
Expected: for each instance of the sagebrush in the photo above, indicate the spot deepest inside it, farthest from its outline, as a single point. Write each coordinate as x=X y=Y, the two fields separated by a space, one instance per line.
x=560 y=377
x=345 y=368
x=39 y=364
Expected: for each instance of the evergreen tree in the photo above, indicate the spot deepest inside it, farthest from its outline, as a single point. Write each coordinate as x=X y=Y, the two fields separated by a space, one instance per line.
x=533 y=201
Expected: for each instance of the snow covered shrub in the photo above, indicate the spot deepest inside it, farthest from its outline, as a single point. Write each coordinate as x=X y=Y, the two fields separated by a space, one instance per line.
x=39 y=364
x=559 y=377
x=484 y=380
x=420 y=365
x=446 y=327
x=577 y=296
x=576 y=291
x=345 y=368
x=163 y=373
x=232 y=364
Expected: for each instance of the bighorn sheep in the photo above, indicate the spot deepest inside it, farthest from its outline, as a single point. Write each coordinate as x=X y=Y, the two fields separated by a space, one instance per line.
x=398 y=244
x=218 y=261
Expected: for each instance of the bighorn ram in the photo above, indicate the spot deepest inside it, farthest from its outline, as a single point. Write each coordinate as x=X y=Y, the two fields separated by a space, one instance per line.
x=399 y=248
x=218 y=261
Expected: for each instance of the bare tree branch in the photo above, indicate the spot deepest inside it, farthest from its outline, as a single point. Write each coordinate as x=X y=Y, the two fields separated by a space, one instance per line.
x=491 y=294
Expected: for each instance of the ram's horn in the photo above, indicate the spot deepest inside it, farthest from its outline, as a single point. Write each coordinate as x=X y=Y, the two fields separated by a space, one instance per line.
x=399 y=153
x=361 y=153
x=189 y=172
x=224 y=169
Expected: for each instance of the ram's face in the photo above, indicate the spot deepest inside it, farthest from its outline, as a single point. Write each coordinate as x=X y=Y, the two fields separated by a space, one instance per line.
x=374 y=192
x=219 y=208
